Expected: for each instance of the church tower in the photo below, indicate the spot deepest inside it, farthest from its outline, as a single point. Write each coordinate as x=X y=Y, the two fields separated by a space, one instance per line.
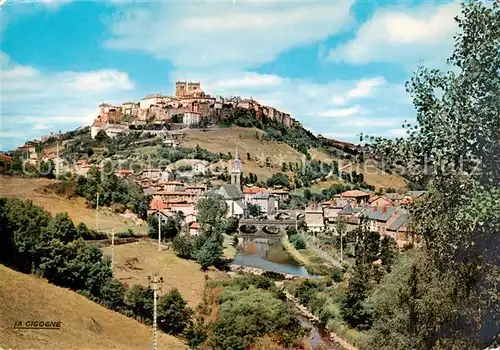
x=237 y=172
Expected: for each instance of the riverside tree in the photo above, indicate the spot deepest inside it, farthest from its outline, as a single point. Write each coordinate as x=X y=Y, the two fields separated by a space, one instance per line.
x=452 y=299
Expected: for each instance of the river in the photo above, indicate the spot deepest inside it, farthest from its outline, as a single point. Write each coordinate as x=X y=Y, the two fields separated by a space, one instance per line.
x=268 y=254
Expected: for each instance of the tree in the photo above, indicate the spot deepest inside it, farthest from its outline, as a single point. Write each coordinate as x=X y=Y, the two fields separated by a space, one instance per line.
x=184 y=246
x=140 y=301
x=307 y=194
x=253 y=210
x=211 y=213
x=352 y=308
x=101 y=138
x=284 y=167
x=249 y=158
x=298 y=242
x=210 y=253
x=278 y=179
x=231 y=225
x=62 y=228
x=173 y=313
x=388 y=251
x=113 y=294
x=454 y=149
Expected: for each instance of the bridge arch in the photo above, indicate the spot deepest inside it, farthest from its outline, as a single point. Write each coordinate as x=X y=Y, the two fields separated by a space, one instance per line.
x=271 y=230
x=283 y=216
x=248 y=229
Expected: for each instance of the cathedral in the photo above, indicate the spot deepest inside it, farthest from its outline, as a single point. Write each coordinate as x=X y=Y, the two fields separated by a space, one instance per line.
x=233 y=193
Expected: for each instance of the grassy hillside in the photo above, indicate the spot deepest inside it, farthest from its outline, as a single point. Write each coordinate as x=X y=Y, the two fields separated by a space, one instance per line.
x=227 y=139
x=178 y=273
x=32 y=189
x=85 y=324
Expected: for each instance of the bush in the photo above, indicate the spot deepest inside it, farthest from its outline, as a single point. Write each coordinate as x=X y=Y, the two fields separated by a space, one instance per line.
x=126 y=234
x=248 y=314
x=184 y=246
x=337 y=274
x=173 y=313
x=291 y=231
x=298 y=242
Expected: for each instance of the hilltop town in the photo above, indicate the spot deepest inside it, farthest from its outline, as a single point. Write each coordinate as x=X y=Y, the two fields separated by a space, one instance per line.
x=190 y=106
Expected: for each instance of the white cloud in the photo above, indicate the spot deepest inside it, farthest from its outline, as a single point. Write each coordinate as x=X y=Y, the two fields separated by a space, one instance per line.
x=338 y=100
x=208 y=34
x=403 y=36
x=362 y=88
x=365 y=87
x=340 y=113
x=34 y=101
x=40 y=127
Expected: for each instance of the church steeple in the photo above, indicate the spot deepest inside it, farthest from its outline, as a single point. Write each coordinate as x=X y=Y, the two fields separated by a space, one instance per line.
x=237 y=172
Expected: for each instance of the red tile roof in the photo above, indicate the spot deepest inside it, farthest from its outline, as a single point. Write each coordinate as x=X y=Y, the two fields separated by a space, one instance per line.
x=194 y=225
x=157 y=204
x=253 y=190
x=354 y=194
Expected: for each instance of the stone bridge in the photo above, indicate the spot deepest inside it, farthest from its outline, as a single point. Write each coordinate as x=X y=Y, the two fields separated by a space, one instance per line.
x=289 y=214
x=255 y=227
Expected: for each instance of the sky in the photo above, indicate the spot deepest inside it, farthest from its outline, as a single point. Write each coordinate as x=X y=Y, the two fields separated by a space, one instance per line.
x=339 y=67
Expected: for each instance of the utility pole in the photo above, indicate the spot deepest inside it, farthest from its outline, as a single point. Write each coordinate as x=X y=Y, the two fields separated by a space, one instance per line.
x=97 y=213
x=340 y=230
x=159 y=231
x=155 y=283
x=341 y=247
x=57 y=160
x=112 y=250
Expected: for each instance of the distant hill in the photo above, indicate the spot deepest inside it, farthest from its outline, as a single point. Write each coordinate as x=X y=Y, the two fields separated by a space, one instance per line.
x=227 y=139
x=85 y=324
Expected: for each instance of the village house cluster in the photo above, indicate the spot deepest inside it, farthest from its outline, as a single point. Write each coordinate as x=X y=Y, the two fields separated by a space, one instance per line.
x=189 y=105
x=384 y=214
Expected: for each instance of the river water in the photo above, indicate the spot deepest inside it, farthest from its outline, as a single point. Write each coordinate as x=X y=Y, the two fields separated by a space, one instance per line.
x=268 y=254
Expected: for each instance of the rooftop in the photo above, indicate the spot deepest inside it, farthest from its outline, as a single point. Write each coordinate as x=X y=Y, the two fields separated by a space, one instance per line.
x=379 y=213
x=398 y=223
x=253 y=190
x=354 y=194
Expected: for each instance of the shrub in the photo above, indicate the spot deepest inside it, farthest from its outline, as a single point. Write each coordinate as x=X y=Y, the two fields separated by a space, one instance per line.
x=337 y=274
x=126 y=234
x=173 y=313
x=298 y=242
x=184 y=247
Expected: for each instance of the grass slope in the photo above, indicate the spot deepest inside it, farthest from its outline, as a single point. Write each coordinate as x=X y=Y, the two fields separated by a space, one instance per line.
x=178 y=273
x=227 y=139
x=31 y=189
x=85 y=324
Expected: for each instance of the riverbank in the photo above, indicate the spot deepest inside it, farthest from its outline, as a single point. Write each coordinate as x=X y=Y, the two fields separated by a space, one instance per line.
x=344 y=344
x=308 y=258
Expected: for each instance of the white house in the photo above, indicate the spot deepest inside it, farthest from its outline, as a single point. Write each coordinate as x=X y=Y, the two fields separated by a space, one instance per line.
x=110 y=129
x=191 y=118
x=266 y=202
x=200 y=167
x=149 y=100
